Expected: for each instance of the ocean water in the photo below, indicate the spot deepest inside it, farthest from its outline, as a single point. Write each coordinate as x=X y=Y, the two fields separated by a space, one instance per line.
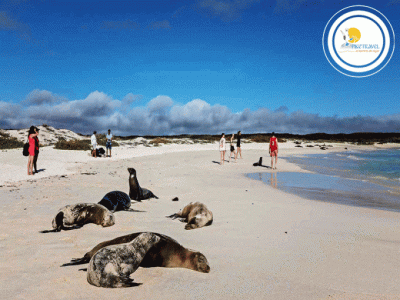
x=360 y=178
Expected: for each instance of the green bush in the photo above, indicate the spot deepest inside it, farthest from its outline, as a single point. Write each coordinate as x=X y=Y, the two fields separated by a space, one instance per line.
x=8 y=142
x=160 y=140
x=63 y=144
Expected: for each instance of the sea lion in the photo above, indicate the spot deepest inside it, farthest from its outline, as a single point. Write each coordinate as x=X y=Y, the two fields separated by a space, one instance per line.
x=111 y=266
x=259 y=163
x=116 y=201
x=135 y=191
x=195 y=214
x=77 y=215
x=167 y=253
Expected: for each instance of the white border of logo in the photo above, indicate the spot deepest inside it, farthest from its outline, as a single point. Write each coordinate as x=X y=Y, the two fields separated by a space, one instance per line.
x=358 y=11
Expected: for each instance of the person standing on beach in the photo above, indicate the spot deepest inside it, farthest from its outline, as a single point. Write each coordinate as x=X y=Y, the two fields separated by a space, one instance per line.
x=109 y=138
x=273 y=150
x=222 y=148
x=232 y=148
x=35 y=158
x=238 y=148
x=94 y=144
x=32 y=133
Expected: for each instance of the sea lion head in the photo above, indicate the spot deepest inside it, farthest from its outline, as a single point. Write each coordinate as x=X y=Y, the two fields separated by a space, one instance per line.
x=200 y=262
x=132 y=171
x=108 y=219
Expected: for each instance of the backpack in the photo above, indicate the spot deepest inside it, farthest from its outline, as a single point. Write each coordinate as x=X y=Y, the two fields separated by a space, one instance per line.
x=25 y=151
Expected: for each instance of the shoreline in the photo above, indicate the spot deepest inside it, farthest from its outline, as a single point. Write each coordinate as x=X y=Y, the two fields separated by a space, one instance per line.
x=64 y=162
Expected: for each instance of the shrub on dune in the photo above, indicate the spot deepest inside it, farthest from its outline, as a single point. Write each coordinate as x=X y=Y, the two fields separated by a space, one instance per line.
x=63 y=144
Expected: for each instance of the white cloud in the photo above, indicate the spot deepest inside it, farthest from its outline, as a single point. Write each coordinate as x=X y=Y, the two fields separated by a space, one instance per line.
x=41 y=97
x=130 y=98
x=160 y=103
x=161 y=116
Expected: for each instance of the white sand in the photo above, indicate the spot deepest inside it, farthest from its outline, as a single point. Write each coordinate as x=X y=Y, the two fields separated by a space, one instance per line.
x=263 y=244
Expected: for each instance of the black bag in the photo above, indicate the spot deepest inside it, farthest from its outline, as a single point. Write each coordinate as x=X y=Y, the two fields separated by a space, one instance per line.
x=25 y=151
x=100 y=151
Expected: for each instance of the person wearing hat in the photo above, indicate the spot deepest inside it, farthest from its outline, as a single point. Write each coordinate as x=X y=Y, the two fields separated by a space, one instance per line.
x=32 y=133
x=36 y=150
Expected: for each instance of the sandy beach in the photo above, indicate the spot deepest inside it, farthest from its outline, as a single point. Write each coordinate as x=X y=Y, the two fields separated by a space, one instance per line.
x=263 y=243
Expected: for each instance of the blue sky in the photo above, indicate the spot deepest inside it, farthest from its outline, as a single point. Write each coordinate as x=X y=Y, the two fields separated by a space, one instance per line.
x=172 y=67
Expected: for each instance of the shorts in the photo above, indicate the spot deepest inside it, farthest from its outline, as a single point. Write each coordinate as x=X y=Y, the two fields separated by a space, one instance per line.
x=232 y=148
x=274 y=153
x=94 y=146
x=108 y=145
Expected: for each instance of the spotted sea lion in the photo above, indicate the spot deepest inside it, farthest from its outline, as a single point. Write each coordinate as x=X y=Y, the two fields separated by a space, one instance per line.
x=195 y=214
x=135 y=191
x=116 y=201
x=111 y=266
x=77 y=215
x=167 y=253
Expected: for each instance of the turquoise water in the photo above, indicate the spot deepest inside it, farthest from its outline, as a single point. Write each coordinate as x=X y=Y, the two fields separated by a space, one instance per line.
x=361 y=178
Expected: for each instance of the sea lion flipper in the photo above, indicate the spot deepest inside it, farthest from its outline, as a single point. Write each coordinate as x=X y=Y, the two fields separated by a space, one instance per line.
x=147 y=194
x=173 y=216
x=77 y=261
x=59 y=221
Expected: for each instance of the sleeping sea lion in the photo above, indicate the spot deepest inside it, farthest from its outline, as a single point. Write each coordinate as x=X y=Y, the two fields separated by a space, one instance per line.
x=116 y=201
x=135 y=191
x=77 y=215
x=167 y=253
x=111 y=266
x=195 y=214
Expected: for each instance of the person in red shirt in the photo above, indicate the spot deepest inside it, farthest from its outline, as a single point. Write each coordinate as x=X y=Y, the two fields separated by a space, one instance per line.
x=31 y=139
x=273 y=150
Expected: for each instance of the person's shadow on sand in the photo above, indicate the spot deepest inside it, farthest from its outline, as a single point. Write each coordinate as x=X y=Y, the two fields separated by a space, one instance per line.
x=40 y=170
x=218 y=163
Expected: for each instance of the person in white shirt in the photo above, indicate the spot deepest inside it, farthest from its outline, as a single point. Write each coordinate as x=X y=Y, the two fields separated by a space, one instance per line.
x=94 y=144
x=109 y=137
x=222 y=149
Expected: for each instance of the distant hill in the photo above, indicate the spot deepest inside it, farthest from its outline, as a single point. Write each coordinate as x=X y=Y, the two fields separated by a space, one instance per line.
x=47 y=136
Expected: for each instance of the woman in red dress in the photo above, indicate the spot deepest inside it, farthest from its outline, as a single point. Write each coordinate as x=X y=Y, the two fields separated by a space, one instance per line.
x=32 y=147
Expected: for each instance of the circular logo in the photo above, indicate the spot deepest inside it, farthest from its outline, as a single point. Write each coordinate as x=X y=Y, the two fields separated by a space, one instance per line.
x=358 y=41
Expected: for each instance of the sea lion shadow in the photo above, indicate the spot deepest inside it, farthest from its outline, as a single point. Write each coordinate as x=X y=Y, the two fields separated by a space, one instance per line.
x=133 y=210
x=64 y=228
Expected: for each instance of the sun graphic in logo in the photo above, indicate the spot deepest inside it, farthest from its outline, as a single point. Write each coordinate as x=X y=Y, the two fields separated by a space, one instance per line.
x=354 y=35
